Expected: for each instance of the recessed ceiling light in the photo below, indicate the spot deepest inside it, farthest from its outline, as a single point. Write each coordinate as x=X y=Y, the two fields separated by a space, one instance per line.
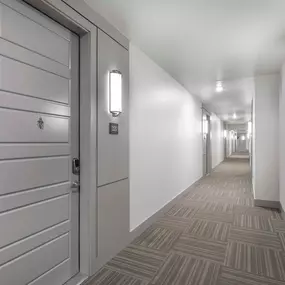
x=234 y=116
x=219 y=86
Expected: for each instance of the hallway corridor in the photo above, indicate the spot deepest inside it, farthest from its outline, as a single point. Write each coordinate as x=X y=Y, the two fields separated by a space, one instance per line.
x=212 y=236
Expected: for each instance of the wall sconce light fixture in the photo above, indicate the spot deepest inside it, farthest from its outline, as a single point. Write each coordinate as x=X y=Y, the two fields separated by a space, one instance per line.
x=249 y=128
x=115 y=93
x=205 y=127
x=219 y=87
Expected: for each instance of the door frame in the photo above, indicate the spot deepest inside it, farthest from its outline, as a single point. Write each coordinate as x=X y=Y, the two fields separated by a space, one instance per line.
x=225 y=140
x=83 y=21
x=87 y=41
x=206 y=113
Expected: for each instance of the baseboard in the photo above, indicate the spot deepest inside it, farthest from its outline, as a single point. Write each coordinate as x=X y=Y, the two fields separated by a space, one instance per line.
x=159 y=214
x=215 y=167
x=78 y=279
x=282 y=211
x=267 y=204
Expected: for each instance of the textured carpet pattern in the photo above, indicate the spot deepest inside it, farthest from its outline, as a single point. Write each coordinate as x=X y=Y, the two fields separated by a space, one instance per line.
x=213 y=235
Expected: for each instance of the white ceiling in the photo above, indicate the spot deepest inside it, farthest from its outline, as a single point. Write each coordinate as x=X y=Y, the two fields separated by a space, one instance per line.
x=236 y=98
x=201 y=41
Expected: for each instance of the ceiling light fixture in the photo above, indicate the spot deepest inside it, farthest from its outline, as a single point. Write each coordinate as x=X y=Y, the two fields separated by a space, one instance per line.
x=234 y=116
x=219 y=86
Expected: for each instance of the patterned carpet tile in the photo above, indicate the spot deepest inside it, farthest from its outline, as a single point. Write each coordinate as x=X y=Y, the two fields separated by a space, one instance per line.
x=260 y=238
x=139 y=262
x=214 y=216
x=208 y=229
x=282 y=239
x=278 y=225
x=207 y=185
x=159 y=238
x=211 y=250
x=230 y=276
x=245 y=201
x=255 y=222
x=256 y=260
x=197 y=196
x=110 y=277
x=181 y=211
x=228 y=200
x=243 y=191
x=217 y=207
x=223 y=192
x=192 y=204
x=173 y=223
x=258 y=211
x=212 y=236
x=276 y=214
x=186 y=270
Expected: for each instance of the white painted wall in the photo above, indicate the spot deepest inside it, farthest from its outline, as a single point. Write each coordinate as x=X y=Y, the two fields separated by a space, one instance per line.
x=228 y=141
x=217 y=140
x=165 y=138
x=230 y=144
x=267 y=89
x=282 y=140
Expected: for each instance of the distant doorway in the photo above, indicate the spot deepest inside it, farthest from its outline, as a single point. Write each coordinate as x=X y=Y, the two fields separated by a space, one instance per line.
x=207 y=159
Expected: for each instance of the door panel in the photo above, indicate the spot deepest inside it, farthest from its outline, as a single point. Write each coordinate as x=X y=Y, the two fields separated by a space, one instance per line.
x=17 y=77
x=113 y=220
x=46 y=42
x=35 y=16
x=20 y=199
x=15 y=101
x=10 y=151
x=18 y=53
x=29 y=266
x=24 y=127
x=32 y=242
x=26 y=221
x=39 y=108
x=58 y=275
x=55 y=169
x=113 y=151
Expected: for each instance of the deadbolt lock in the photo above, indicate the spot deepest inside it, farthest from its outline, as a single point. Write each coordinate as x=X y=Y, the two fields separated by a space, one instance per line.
x=75 y=166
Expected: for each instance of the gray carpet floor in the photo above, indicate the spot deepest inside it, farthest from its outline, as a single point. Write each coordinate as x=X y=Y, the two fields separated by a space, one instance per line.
x=212 y=236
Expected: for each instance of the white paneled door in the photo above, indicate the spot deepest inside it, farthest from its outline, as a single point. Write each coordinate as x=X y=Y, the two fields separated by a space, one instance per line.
x=39 y=138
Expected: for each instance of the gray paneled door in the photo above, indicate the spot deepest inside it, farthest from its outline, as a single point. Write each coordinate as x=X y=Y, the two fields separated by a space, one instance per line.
x=39 y=118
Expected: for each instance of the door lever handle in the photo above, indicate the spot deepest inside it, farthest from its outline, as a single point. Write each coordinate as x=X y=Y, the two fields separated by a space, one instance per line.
x=75 y=185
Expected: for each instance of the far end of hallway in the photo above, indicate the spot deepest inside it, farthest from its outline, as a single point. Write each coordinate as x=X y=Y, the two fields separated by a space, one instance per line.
x=213 y=235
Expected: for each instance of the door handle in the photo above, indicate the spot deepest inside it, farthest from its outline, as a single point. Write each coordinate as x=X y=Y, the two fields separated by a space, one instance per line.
x=75 y=185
